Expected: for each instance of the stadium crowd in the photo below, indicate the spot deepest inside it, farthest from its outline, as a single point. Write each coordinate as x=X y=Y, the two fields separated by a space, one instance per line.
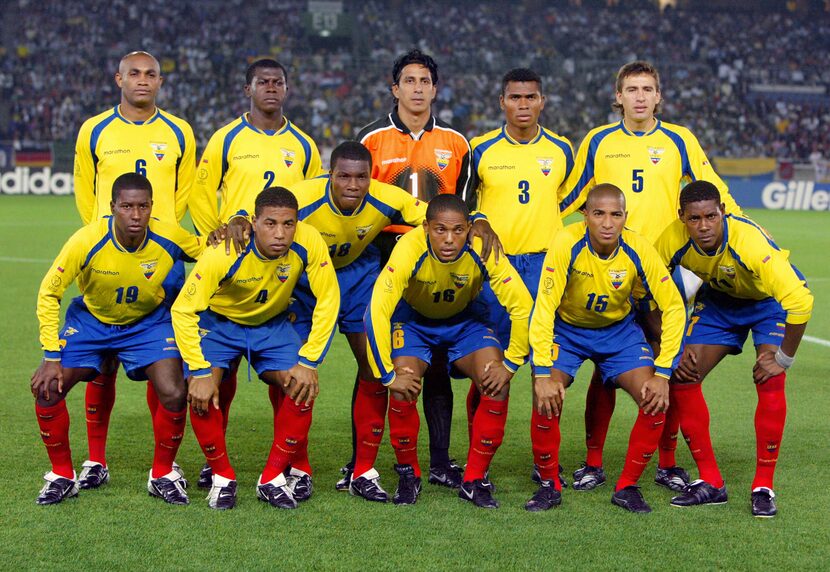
x=55 y=67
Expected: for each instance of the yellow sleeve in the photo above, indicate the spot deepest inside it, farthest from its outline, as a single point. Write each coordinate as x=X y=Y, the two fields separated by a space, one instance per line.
x=323 y=282
x=187 y=171
x=702 y=170
x=671 y=240
x=512 y=293
x=204 y=209
x=576 y=186
x=413 y=211
x=387 y=292
x=193 y=299
x=568 y=203
x=779 y=277
x=315 y=165
x=84 y=177
x=60 y=276
x=191 y=245
x=552 y=283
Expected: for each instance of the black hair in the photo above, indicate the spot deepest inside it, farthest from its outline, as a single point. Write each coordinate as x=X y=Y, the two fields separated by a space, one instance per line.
x=444 y=203
x=278 y=197
x=699 y=191
x=520 y=74
x=264 y=63
x=351 y=151
x=415 y=56
x=131 y=181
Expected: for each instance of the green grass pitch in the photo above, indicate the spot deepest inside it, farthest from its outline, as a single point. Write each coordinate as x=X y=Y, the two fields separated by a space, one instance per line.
x=121 y=527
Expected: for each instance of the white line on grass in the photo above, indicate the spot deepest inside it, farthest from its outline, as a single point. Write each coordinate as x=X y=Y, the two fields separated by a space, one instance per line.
x=818 y=341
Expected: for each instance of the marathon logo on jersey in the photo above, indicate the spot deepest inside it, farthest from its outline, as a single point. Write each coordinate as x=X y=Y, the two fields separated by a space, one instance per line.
x=158 y=149
x=442 y=158
x=545 y=163
x=617 y=278
x=288 y=157
x=460 y=280
x=149 y=268
x=655 y=154
x=728 y=270
x=283 y=271
x=362 y=231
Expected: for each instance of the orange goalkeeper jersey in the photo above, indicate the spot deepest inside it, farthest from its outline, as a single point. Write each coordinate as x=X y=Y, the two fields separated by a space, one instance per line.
x=425 y=164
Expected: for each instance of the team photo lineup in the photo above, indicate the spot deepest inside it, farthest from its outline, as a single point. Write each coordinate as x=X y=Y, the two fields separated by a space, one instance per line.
x=440 y=261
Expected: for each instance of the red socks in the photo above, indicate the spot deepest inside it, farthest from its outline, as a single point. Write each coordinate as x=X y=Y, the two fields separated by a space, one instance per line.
x=599 y=407
x=100 y=398
x=369 y=415
x=688 y=401
x=641 y=446
x=211 y=436
x=152 y=398
x=168 y=428
x=404 y=424
x=54 y=430
x=227 y=391
x=668 y=440
x=770 y=416
x=545 y=438
x=473 y=399
x=292 y=425
x=488 y=434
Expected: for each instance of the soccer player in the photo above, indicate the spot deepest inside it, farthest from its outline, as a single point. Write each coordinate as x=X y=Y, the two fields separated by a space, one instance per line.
x=416 y=151
x=234 y=305
x=134 y=136
x=650 y=160
x=518 y=175
x=424 y=300
x=259 y=149
x=749 y=284
x=583 y=311
x=120 y=263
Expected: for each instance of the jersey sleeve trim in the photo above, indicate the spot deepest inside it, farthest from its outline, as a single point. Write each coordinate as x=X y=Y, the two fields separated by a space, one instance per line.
x=173 y=249
x=305 y=144
x=300 y=250
x=177 y=131
x=480 y=148
x=635 y=258
x=96 y=134
x=226 y=148
x=681 y=148
x=566 y=151
x=588 y=171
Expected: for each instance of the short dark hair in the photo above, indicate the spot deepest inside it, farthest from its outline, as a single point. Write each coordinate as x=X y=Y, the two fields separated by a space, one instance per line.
x=698 y=191
x=605 y=190
x=351 y=151
x=520 y=74
x=444 y=203
x=278 y=197
x=261 y=64
x=415 y=56
x=131 y=181
x=639 y=67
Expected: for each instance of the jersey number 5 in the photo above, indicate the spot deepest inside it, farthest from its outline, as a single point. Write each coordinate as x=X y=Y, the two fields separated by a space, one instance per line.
x=637 y=180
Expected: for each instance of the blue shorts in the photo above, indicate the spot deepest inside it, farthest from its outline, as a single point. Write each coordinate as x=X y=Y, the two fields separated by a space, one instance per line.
x=86 y=340
x=356 y=282
x=416 y=336
x=529 y=267
x=615 y=349
x=272 y=346
x=722 y=320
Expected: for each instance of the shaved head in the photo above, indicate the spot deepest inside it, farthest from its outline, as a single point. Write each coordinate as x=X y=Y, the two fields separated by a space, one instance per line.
x=603 y=191
x=123 y=65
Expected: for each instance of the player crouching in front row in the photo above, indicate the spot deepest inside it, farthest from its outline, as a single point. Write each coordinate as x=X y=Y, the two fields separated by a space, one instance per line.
x=234 y=305
x=583 y=312
x=120 y=262
x=423 y=300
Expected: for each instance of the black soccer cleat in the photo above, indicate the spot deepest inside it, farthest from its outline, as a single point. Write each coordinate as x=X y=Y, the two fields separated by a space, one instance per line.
x=300 y=484
x=368 y=487
x=205 y=477
x=93 y=475
x=56 y=489
x=536 y=477
x=674 y=478
x=276 y=493
x=545 y=498
x=170 y=490
x=409 y=486
x=587 y=478
x=631 y=499
x=477 y=493
x=222 y=495
x=448 y=474
x=343 y=484
x=698 y=493
x=763 y=503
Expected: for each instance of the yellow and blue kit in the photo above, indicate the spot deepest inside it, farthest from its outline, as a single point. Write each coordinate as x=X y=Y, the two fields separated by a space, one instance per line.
x=121 y=309
x=241 y=160
x=438 y=297
x=749 y=284
x=251 y=290
x=162 y=148
x=583 y=309
x=349 y=237
x=650 y=167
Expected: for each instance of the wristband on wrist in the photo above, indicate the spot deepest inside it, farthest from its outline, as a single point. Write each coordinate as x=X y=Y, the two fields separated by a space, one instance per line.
x=783 y=359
